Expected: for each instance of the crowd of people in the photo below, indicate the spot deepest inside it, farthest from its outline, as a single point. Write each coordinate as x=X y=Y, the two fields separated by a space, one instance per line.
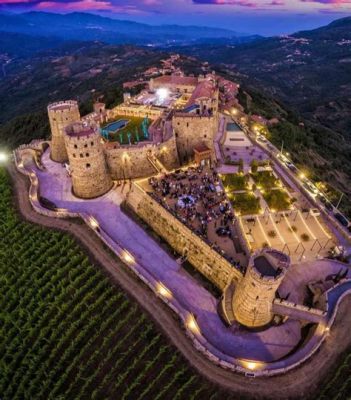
x=196 y=197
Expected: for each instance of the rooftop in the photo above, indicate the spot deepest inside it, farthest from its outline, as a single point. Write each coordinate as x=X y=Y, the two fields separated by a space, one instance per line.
x=177 y=80
x=80 y=130
x=203 y=89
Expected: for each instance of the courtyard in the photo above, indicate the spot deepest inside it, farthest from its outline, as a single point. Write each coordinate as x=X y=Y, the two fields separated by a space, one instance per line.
x=126 y=129
x=196 y=197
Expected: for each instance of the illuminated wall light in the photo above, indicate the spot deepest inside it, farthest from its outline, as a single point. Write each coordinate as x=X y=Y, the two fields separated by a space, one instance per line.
x=163 y=291
x=192 y=324
x=128 y=257
x=94 y=224
x=252 y=365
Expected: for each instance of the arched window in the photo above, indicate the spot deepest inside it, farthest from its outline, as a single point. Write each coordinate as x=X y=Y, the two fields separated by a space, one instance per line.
x=92 y=143
x=75 y=146
x=88 y=165
x=74 y=155
x=87 y=154
x=81 y=155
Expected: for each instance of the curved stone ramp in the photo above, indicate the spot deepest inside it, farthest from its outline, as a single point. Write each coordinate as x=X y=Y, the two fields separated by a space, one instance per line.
x=201 y=342
x=298 y=383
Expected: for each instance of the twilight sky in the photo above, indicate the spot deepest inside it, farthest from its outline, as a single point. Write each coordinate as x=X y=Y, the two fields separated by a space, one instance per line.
x=267 y=17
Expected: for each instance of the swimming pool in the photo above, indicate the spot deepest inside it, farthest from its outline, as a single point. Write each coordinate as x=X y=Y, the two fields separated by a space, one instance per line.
x=114 y=126
x=232 y=127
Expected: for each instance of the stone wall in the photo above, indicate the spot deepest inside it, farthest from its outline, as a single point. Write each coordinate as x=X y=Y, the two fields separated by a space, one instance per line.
x=129 y=162
x=192 y=130
x=130 y=110
x=61 y=114
x=207 y=261
x=90 y=177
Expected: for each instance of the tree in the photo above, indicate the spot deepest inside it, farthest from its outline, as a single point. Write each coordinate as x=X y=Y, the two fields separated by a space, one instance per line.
x=254 y=166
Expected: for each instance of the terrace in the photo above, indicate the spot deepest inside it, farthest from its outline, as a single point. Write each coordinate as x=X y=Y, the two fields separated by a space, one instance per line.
x=126 y=130
x=196 y=197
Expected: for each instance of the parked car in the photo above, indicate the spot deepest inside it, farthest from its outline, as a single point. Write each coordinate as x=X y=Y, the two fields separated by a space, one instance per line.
x=322 y=199
x=329 y=206
x=343 y=221
x=311 y=188
x=315 y=212
x=262 y=138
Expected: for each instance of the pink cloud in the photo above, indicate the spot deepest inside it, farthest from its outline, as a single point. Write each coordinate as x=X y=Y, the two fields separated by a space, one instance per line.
x=242 y=3
x=15 y=1
x=83 y=5
x=276 y=3
x=332 y=2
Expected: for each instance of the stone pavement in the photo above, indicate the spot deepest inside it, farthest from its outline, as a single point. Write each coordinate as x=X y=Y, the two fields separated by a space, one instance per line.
x=269 y=345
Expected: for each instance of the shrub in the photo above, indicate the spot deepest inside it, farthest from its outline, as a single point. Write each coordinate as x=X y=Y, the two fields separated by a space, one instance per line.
x=305 y=237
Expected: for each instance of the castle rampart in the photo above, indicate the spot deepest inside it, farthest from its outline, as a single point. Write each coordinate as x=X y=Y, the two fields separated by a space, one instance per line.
x=129 y=162
x=90 y=177
x=210 y=263
x=61 y=114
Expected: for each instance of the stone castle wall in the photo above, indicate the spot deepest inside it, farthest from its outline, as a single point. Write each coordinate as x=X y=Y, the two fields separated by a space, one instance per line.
x=191 y=131
x=129 y=162
x=254 y=297
x=61 y=114
x=207 y=261
x=138 y=111
x=90 y=177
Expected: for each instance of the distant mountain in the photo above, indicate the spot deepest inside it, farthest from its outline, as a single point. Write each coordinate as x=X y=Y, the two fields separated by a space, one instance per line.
x=75 y=26
x=20 y=45
x=309 y=70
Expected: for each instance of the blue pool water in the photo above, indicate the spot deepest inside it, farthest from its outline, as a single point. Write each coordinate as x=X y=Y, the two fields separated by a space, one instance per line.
x=232 y=127
x=114 y=126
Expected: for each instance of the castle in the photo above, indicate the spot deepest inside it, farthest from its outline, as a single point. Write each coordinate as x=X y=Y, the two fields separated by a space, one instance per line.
x=171 y=138
x=178 y=119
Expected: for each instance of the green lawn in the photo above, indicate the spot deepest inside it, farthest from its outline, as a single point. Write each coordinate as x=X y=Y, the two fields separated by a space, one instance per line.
x=134 y=127
x=68 y=333
x=265 y=179
x=277 y=199
x=233 y=182
x=245 y=203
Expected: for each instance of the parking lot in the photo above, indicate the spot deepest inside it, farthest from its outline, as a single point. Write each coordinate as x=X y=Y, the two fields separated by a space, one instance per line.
x=303 y=236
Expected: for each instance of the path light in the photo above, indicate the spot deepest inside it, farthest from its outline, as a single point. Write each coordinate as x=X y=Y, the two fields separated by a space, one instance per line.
x=252 y=365
x=163 y=291
x=94 y=224
x=128 y=257
x=302 y=175
x=192 y=324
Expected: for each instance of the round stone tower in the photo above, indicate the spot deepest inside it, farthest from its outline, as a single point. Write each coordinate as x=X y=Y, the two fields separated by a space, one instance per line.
x=90 y=177
x=61 y=114
x=254 y=295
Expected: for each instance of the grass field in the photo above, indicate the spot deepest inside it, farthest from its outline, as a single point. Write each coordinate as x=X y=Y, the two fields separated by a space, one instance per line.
x=245 y=203
x=277 y=200
x=265 y=179
x=66 y=332
x=233 y=182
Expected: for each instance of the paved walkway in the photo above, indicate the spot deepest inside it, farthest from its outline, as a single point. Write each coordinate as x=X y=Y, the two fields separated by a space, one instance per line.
x=298 y=383
x=266 y=346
